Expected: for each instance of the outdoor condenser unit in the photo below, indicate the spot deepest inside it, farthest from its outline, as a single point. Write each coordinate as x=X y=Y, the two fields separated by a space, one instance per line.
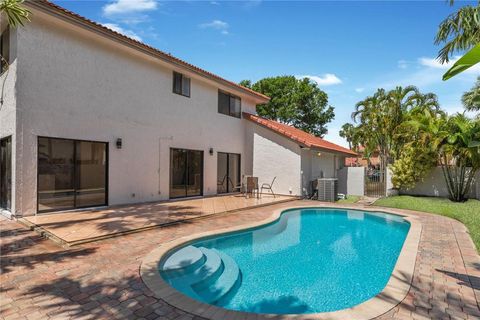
x=327 y=189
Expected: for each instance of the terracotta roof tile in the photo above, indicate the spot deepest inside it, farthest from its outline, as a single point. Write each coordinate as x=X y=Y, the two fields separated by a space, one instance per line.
x=298 y=135
x=56 y=9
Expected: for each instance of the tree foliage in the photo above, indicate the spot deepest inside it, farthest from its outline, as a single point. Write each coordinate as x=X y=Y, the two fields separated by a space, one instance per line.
x=471 y=98
x=460 y=31
x=297 y=102
x=15 y=12
x=379 y=119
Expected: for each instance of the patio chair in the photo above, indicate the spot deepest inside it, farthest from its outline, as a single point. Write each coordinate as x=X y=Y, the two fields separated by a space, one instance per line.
x=268 y=186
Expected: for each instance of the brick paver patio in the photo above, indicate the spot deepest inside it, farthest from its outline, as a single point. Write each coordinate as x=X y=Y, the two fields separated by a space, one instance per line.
x=100 y=280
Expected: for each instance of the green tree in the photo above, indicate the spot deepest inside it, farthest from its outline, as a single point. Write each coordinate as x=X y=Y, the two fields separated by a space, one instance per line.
x=460 y=31
x=349 y=133
x=380 y=117
x=418 y=154
x=15 y=12
x=297 y=102
x=471 y=98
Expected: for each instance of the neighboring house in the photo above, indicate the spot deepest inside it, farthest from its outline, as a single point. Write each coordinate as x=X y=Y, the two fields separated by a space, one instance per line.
x=292 y=155
x=363 y=160
x=90 y=117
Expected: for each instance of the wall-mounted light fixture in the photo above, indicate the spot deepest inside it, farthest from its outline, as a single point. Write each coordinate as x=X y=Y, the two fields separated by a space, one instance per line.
x=118 y=143
x=210 y=151
x=319 y=154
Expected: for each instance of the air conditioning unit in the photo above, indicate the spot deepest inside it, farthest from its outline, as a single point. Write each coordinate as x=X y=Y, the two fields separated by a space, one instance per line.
x=327 y=189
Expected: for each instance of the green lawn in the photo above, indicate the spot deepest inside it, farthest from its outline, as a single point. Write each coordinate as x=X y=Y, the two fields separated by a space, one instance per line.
x=350 y=199
x=467 y=212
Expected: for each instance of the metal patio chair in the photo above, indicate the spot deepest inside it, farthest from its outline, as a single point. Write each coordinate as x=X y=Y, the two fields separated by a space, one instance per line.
x=268 y=186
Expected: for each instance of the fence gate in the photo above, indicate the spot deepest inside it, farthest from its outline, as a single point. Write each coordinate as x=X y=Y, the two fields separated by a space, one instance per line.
x=375 y=183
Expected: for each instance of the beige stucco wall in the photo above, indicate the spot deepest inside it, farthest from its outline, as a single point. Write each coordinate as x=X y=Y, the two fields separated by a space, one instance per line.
x=79 y=85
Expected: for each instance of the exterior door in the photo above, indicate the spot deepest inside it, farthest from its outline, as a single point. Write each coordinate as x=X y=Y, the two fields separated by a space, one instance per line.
x=228 y=172
x=186 y=173
x=71 y=174
x=6 y=173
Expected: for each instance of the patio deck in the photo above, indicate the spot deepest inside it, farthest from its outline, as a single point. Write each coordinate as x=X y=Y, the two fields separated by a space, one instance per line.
x=81 y=226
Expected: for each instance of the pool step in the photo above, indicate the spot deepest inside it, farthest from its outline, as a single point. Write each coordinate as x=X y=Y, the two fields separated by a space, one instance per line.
x=183 y=261
x=227 y=280
x=204 y=274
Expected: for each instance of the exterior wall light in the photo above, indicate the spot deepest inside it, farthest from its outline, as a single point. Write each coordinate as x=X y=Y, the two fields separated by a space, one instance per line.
x=118 y=143
x=319 y=154
x=210 y=151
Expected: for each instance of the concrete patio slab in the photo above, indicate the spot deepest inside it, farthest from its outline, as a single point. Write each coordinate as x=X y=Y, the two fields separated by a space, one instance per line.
x=81 y=226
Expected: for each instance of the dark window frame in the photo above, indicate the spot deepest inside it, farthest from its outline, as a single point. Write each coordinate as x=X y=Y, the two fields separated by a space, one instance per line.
x=180 y=90
x=239 y=173
x=5 y=37
x=231 y=107
x=107 y=165
x=8 y=140
x=186 y=172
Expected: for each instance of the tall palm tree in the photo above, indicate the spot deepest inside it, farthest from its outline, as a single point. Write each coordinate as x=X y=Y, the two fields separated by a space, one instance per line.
x=460 y=31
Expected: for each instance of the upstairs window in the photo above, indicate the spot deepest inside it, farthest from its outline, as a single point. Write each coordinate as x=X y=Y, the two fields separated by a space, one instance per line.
x=229 y=104
x=181 y=84
x=4 y=50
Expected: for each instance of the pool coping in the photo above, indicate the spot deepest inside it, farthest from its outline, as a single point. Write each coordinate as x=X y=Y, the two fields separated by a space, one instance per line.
x=393 y=293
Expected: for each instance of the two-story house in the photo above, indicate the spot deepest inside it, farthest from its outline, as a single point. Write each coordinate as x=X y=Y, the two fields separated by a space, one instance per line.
x=90 y=117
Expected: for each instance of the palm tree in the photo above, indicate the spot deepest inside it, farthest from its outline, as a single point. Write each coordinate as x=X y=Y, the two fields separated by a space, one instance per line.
x=381 y=115
x=455 y=139
x=460 y=31
x=15 y=12
x=471 y=98
x=348 y=133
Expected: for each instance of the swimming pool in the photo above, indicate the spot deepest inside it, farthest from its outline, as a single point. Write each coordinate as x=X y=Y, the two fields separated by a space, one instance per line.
x=310 y=260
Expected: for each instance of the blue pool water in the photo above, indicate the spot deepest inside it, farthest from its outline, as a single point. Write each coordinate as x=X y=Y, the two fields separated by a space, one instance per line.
x=309 y=261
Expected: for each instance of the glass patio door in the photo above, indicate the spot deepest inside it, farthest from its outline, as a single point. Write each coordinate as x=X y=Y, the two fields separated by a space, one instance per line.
x=228 y=172
x=6 y=173
x=71 y=174
x=186 y=173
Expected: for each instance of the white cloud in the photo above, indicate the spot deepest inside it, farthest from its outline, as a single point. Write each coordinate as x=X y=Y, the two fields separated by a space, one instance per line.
x=129 y=6
x=129 y=33
x=220 y=25
x=359 y=90
x=214 y=3
x=326 y=79
x=402 y=64
x=435 y=64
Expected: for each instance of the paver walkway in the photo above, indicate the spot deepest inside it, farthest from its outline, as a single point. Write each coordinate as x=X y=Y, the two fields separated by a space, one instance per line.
x=74 y=227
x=100 y=280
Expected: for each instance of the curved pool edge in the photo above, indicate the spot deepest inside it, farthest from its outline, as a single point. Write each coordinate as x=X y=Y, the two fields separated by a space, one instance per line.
x=393 y=293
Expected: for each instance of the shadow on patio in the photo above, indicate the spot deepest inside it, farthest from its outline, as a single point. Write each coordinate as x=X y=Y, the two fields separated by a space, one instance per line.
x=76 y=227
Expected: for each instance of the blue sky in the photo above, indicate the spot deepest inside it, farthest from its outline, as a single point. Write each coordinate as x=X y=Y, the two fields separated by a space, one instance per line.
x=350 y=48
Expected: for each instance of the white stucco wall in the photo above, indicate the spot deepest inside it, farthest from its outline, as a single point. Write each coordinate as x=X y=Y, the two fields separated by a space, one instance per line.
x=78 y=85
x=351 y=181
x=434 y=185
x=317 y=164
x=276 y=156
x=8 y=111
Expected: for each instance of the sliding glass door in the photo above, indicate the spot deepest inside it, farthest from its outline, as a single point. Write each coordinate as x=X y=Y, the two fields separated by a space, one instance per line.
x=6 y=173
x=228 y=172
x=71 y=174
x=186 y=173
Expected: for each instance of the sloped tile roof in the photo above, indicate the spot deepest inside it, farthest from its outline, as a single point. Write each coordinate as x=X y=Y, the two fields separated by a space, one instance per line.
x=302 y=137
